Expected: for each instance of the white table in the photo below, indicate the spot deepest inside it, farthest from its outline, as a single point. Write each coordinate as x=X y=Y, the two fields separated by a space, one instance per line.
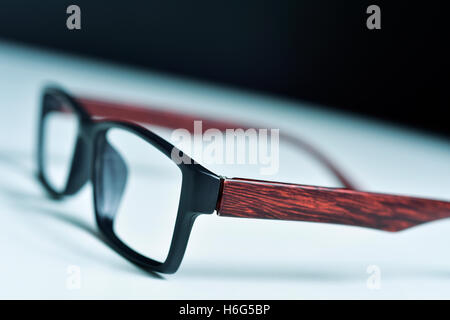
x=226 y=257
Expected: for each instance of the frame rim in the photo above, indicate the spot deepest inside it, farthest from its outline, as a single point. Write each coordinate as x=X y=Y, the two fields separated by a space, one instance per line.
x=199 y=194
x=193 y=199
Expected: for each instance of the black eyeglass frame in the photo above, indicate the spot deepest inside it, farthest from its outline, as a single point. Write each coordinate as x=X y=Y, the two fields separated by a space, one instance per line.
x=204 y=192
x=200 y=187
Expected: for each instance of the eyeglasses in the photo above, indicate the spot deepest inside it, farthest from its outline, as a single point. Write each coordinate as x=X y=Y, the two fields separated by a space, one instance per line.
x=145 y=203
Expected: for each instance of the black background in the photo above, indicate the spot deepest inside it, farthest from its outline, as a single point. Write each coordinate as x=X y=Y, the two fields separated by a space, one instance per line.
x=314 y=50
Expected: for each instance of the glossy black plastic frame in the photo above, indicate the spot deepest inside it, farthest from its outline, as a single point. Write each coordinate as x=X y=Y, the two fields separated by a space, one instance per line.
x=199 y=191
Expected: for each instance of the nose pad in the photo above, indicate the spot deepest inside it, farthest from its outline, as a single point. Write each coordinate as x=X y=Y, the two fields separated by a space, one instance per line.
x=111 y=179
x=79 y=171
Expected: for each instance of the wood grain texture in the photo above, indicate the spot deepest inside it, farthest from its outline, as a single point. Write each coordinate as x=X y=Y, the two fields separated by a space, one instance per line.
x=283 y=201
x=176 y=120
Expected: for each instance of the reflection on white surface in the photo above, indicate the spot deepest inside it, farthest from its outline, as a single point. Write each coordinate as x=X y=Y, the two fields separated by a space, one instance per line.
x=145 y=218
x=226 y=257
x=60 y=134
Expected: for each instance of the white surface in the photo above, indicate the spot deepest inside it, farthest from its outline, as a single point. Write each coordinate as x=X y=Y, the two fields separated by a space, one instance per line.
x=226 y=257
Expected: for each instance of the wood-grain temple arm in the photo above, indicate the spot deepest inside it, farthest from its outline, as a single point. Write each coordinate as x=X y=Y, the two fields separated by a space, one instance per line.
x=272 y=200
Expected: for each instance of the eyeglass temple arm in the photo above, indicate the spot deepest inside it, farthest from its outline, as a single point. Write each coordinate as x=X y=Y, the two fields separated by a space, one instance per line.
x=283 y=201
x=175 y=120
x=272 y=200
